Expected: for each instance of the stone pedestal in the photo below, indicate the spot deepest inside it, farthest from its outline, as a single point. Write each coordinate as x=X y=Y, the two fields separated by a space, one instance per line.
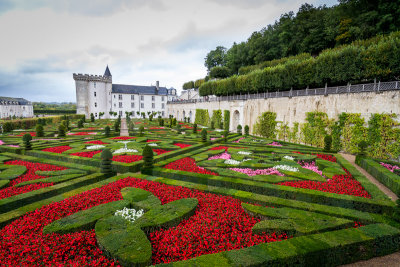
x=124 y=128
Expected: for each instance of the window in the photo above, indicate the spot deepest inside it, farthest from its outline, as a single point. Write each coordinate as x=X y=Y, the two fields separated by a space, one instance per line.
x=114 y=96
x=94 y=94
x=162 y=98
x=163 y=114
x=153 y=105
x=115 y=105
x=95 y=104
x=142 y=97
x=163 y=106
x=120 y=104
x=95 y=114
x=142 y=105
x=119 y=97
x=120 y=113
x=132 y=105
x=94 y=85
x=153 y=98
x=132 y=97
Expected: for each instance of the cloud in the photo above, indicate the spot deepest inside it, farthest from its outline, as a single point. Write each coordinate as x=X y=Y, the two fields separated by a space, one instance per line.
x=86 y=7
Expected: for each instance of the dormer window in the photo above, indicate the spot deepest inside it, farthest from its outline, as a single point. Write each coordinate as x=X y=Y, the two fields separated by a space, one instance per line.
x=94 y=85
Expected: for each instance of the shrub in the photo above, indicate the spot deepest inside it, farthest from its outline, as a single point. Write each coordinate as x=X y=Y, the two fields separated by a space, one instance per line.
x=362 y=146
x=266 y=124
x=188 y=85
x=204 y=135
x=141 y=130
x=61 y=130
x=195 y=128
x=107 y=131
x=246 y=130
x=212 y=125
x=239 y=129
x=151 y=117
x=147 y=157
x=227 y=118
x=226 y=133
x=328 y=142
x=80 y=123
x=160 y=121
x=106 y=157
x=202 y=117
x=116 y=126
x=39 y=130
x=27 y=141
x=91 y=117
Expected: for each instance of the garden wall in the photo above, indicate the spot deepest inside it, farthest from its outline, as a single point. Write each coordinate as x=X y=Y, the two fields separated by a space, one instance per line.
x=294 y=109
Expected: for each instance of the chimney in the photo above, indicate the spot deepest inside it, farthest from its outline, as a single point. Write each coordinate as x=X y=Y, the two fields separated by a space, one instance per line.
x=157 y=85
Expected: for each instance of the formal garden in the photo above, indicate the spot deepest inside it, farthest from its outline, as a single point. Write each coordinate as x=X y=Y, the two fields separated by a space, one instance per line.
x=75 y=192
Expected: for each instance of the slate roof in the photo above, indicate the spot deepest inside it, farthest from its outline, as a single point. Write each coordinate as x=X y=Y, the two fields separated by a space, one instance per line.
x=21 y=101
x=138 y=89
x=107 y=73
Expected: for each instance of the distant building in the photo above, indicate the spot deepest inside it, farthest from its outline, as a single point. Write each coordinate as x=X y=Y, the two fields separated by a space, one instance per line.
x=97 y=93
x=15 y=107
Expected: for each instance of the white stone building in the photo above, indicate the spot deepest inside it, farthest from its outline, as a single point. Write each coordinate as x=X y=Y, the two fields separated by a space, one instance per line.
x=97 y=93
x=18 y=107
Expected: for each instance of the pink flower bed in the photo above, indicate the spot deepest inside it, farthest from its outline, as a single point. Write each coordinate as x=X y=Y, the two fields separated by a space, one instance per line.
x=274 y=144
x=240 y=139
x=389 y=166
x=82 y=133
x=224 y=155
x=310 y=166
x=251 y=172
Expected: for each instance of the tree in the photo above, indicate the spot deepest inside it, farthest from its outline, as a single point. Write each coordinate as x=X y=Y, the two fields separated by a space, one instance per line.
x=101 y=114
x=107 y=131
x=141 y=130
x=220 y=72
x=328 y=143
x=61 y=130
x=204 y=135
x=195 y=128
x=27 y=141
x=188 y=85
x=117 y=124
x=246 y=130
x=91 y=117
x=147 y=157
x=39 y=130
x=215 y=58
x=80 y=123
x=239 y=129
x=106 y=161
x=266 y=125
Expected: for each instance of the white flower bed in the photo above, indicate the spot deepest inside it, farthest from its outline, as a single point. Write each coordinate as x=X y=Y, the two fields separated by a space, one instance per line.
x=219 y=130
x=286 y=168
x=244 y=153
x=95 y=147
x=125 y=150
x=153 y=144
x=288 y=157
x=129 y=214
x=232 y=162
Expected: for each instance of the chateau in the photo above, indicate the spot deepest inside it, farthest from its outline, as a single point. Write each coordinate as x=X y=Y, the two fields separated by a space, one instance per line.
x=18 y=107
x=97 y=94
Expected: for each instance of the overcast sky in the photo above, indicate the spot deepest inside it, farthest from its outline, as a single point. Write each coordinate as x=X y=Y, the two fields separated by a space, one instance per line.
x=44 y=41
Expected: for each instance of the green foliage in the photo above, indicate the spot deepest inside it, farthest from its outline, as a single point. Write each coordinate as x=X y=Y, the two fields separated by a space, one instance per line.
x=217 y=118
x=106 y=161
x=362 y=145
x=117 y=125
x=27 y=141
x=107 y=131
x=328 y=143
x=147 y=157
x=204 y=135
x=198 y=83
x=353 y=132
x=188 y=85
x=266 y=125
x=8 y=127
x=141 y=130
x=226 y=134
x=216 y=57
x=239 y=129
x=91 y=117
x=283 y=131
x=202 y=117
x=316 y=128
x=212 y=126
x=80 y=124
x=61 y=130
x=194 y=128
x=39 y=130
x=219 y=72
x=246 y=130
x=227 y=119
x=294 y=133
x=12 y=171
x=160 y=121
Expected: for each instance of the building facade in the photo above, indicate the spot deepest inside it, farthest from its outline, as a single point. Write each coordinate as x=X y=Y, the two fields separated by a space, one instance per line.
x=97 y=94
x=15 y=107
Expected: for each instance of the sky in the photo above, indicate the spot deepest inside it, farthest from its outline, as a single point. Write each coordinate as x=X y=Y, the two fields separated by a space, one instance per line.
x=43 y=42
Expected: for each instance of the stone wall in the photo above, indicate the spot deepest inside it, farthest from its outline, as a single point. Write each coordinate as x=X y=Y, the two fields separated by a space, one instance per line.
x=290 y=110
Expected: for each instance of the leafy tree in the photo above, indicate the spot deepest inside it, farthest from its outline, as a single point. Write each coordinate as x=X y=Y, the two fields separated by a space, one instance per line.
x=220 y=72
x=147 y=157
x=39 y=130
x=91 y=117
x=141 y=131
x=266 y=125
x=195 y=128
x=27 y=141
x=8 y=127
x=101 y=114
x=80 y=123
x=239 y=129
x=117 y=124
x=107 y=131
x=328 y=143
x=216 y=57
x=106 y=161
x=204 y=135
x=246 y=130
x=188 y=85
x=61 y=130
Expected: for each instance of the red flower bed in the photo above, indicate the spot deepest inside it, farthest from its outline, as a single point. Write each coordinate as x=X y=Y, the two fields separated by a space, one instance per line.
x=57 y=149
x=138 y=122
x=223 y=147
x=86 y=154
x=188 y=165
x=97 y=142
x=81 y=133
x=127 y=158
x=160 y=151
x=182 y=145
x=123 y=138
x=152 y=140
x=339 y=184
x=325 y=157
x=31 y=133
x=219 y=224
x=31 y=168
x=91 y=128
x=156 y=128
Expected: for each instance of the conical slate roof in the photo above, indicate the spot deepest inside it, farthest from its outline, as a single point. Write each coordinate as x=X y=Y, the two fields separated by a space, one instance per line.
x=107 y=73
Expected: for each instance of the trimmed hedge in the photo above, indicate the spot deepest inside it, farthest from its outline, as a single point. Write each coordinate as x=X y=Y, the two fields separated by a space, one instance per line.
x=9 y=172
x=383 y=175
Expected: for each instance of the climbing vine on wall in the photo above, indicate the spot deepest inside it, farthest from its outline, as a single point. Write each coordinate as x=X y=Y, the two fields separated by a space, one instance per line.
x=202 y=117
x=283 y=131
x=227 y=118
x=217 y=118
x=317 y=126
x=353 y=132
